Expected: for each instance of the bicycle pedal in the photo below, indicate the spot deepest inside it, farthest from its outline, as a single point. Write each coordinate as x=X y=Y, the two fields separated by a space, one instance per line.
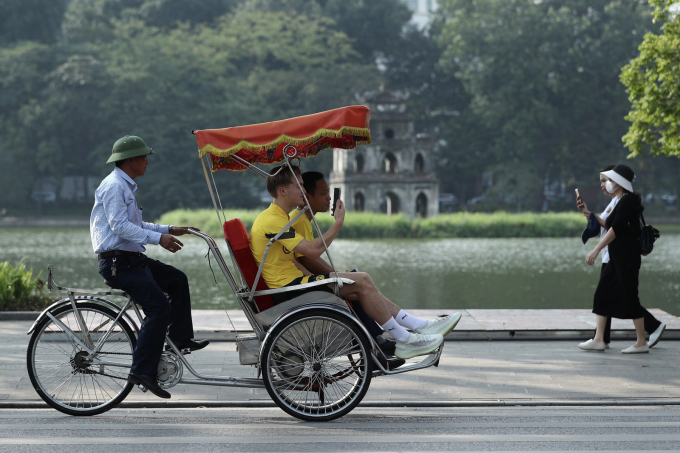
x=142 y=388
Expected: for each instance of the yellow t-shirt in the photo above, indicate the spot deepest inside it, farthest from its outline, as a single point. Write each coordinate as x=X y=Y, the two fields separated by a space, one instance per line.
x=303 y=226
x=279 y=269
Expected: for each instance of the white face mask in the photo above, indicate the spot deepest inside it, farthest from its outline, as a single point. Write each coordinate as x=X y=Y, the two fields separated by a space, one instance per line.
x=611 y=186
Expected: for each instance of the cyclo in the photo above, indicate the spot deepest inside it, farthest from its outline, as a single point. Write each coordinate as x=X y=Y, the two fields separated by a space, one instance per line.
x=311 y=353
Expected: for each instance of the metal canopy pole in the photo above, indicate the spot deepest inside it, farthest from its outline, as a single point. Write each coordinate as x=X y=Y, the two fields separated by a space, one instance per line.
x=210 y=188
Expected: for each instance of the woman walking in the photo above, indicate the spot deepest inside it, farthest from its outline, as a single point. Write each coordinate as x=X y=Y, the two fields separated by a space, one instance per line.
x=653 y=326
x=616 y=295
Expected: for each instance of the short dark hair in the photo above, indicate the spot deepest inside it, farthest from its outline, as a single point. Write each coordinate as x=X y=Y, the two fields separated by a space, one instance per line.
x=310 y=179
x=119 y=163
x=280 y=179
x=607 y=168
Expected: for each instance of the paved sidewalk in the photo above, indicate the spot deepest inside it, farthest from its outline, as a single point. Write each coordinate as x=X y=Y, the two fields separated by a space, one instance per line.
x=475 y=324
x=470 y=372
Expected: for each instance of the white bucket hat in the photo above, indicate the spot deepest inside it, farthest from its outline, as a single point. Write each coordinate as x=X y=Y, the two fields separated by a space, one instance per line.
x=621 y=175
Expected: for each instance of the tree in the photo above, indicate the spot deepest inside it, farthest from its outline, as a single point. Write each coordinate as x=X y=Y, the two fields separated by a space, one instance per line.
x=22 y=72
x=653 y=85
x=30 y=20
x=245 y=68
x=542 y=77
x=373 y=26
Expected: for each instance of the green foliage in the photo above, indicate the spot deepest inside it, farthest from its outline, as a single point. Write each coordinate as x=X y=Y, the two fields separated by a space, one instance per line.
x=370 y=225
x=517 y=92
x=30 y=20
x=653 y=83
x=131 y=67
x=374 y=26
x=502 y=224
x=19 y=290
x=544 y=97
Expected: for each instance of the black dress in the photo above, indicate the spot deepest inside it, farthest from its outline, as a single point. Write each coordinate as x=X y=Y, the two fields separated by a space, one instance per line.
x=616 y=295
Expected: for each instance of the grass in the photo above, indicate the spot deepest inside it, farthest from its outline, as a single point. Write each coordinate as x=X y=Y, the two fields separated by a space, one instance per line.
x=371 y=225
x=20 y=290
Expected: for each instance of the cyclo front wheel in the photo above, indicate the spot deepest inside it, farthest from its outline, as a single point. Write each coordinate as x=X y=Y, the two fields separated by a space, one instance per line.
x=65 y=376
x=317 y=365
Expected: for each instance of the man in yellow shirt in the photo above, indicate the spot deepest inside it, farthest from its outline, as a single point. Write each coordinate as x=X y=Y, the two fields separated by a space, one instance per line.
x=280 y=270
x=318 y=195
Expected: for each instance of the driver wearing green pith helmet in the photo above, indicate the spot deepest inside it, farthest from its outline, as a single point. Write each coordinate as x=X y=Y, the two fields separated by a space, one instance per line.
x=119 y=236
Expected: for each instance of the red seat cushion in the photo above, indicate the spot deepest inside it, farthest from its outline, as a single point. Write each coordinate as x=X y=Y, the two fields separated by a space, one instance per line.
x=236 y=234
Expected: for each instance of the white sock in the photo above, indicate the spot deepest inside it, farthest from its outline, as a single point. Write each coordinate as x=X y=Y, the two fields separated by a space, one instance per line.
x=394 y=329
x=408 y=321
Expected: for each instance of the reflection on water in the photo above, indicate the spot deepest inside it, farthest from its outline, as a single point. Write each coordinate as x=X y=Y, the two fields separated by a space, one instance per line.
x=441 y=273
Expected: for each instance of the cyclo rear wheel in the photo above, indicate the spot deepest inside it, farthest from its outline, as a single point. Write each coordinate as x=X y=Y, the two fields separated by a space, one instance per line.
x=60 y=370
x=317 y=365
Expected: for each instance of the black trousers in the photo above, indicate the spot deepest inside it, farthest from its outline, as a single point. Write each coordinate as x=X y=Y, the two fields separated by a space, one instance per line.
x=163 y=293
x=651 y=323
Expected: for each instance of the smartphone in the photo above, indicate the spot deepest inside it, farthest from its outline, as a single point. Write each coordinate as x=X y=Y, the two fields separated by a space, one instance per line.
x=578 y=195
x=336 y=197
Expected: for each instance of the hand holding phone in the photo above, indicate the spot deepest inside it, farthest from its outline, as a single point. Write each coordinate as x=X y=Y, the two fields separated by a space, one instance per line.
x=336 y=197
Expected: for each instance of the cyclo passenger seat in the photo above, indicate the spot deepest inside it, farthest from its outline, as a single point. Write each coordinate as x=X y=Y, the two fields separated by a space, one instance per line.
x=237 y=236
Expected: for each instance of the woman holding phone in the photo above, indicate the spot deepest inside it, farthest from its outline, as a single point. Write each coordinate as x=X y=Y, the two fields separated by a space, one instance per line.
x=617 y=291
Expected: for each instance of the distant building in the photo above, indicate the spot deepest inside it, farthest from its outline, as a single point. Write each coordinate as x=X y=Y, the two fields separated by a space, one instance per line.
x=394 y=174
x=422 y=11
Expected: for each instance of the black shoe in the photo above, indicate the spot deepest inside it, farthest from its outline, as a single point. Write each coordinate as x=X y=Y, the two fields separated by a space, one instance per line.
x=192 y=345
x=386 y=346
x=149 y=382
x=391 y=363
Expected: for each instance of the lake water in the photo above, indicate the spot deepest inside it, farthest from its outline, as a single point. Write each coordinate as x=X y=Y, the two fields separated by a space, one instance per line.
x=441 y=273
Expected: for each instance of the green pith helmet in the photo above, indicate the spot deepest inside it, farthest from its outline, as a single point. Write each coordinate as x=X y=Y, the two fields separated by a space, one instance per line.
x=128 y=146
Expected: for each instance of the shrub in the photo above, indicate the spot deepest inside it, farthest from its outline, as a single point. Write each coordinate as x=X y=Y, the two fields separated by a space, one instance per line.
x=19 y=290
x=372 y=225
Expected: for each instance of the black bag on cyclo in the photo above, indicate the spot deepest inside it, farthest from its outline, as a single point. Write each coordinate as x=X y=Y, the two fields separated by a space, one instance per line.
x=648 y=235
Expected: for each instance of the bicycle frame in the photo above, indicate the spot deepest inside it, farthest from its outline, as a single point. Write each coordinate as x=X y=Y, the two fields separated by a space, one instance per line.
x=242 y=294
x=84 y=339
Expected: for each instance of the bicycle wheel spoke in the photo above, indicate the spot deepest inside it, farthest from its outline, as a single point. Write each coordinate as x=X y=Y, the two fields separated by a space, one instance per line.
x=65 y=374
x=333 y=369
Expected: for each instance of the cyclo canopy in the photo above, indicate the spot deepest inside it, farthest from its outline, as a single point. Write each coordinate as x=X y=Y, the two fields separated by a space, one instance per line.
x=264 y=143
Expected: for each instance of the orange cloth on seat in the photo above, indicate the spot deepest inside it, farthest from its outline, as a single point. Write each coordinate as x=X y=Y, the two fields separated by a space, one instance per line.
x=237 y=236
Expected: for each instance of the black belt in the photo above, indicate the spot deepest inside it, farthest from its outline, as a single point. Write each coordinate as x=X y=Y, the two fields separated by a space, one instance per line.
x=113 y=253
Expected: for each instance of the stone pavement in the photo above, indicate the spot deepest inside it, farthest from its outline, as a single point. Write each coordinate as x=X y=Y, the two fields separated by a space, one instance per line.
x=475 y=324
x=486 y=371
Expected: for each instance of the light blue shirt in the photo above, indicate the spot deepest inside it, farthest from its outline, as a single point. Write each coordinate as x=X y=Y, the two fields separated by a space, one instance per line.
x=116 y=221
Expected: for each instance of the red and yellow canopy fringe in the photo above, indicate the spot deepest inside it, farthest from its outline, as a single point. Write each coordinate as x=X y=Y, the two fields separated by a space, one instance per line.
x=345 y=127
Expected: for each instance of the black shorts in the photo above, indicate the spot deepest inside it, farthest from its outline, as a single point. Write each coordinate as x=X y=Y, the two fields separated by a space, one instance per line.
x=282 y=297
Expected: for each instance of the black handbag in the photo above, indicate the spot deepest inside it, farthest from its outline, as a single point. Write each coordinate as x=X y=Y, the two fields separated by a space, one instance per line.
x=648 y=235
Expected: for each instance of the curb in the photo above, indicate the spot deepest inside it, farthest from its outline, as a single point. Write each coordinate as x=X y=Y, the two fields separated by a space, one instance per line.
x=19 y=315
x=459 y=335
x=372 y=404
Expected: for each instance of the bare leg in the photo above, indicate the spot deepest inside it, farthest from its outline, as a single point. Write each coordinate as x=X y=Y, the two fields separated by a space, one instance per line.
x=640 y=332
x=391 y=306
x=600 y=322
x=375 y=304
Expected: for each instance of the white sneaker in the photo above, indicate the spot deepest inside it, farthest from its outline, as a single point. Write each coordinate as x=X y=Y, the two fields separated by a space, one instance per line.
x=591 y=345
x=442 y=326
x=655 y=336
x=417 y=344
x=633 y=350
